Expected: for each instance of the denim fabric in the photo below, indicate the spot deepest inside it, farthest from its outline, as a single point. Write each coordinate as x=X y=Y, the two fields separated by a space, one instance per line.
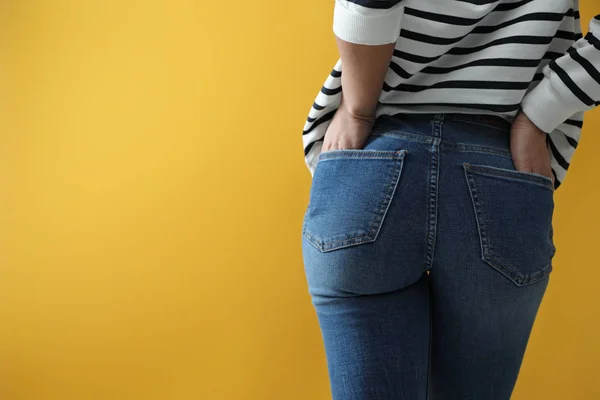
x=427 y=256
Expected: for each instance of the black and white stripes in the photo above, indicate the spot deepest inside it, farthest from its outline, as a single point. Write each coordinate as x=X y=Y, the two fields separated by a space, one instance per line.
x=474 y=56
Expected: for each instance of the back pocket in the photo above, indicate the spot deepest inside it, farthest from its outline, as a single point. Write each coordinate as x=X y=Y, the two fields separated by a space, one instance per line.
x=514 y=215
x=349 y=197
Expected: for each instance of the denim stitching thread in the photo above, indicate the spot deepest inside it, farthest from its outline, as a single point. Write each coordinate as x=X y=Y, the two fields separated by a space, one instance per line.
x=414 y=137
x=445 y=145
x=488 y=255
x=398 y=158
x=483 y=242
x=360 y=154
x=502 y=129
x=540 y=180
x=473 y=148
x=432 y=193
x=389 y=196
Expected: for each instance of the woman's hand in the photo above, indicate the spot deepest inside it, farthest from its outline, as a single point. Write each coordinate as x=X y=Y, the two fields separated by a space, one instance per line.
x=348 y=130
x=528 y=147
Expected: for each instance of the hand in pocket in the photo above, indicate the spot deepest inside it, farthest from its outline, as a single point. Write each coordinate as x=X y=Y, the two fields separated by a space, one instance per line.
x=528 y=147
x=347 y=131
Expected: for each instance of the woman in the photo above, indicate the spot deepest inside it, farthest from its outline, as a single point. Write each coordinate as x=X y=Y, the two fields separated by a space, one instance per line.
x=427 y=239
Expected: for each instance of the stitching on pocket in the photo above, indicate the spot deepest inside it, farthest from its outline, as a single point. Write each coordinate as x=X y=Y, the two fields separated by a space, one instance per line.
x=364 y=154
x=487 y=254
x=478 y=214
x=510 y=174
x=389 y=190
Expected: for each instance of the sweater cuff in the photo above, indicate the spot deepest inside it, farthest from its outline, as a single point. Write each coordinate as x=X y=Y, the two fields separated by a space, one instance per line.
x=361 y=25
x=545 y=107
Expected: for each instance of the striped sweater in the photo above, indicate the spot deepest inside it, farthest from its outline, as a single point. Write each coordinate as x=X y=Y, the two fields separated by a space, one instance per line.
x=474 y=56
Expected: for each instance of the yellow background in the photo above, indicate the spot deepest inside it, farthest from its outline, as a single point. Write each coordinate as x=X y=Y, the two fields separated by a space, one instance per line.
x=152 y=186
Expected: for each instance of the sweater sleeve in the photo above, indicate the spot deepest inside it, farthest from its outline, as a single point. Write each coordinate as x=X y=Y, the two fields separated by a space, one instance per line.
x=571 y=83
x=369 y=22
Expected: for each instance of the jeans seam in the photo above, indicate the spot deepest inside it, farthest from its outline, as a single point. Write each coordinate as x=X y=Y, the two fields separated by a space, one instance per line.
x=484 y=244
x=429 y=357
x=361 y=154
x=432 y=192
x=413 y=137
x=473 y=148
x=502 y=129
x=393 y=185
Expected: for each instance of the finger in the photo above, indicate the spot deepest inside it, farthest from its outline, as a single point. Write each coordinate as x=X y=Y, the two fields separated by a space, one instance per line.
x=544 y=172
x=326 y=144
x=551 y=176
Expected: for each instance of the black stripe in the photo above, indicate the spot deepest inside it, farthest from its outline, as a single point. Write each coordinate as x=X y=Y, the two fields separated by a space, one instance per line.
x=376 y=4
x=581 y=95
x=573 y=122
x=487 y=62
x=310 y=146
x=507 y=40
x=420 y=37
x=524 y=18
x=477 y=2
x=538 y=77
x=489 y=85
x=336 y=74
x=588 y=66
x=401 y=72
x=556 y=181
x=578 y=36
x=414 y=58
x=310 y=120
x=511 y=6
x=535 y=40
x=501 y=108
x=318 y=122
x=593 y=40
x=552 y=55
x=572 y=141
x=565 y=35
x=501 y=7
x=317 y=106
x=559 y=158
x=443 y=18
x=331 y=92
x=573 y=13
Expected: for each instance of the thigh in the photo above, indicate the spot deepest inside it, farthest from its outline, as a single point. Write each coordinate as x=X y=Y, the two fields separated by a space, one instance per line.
x=377 y=346
x=364 y=250
x=480 y=333
x=491 y=270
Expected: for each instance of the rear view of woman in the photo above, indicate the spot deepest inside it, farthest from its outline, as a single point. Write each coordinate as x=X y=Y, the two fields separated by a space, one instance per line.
x=435 y=147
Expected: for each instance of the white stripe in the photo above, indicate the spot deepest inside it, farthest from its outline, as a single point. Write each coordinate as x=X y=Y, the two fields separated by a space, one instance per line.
x=357 y=24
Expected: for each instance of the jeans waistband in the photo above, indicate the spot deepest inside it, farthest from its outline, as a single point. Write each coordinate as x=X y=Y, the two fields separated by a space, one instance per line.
x=454 y=128
x=491 y=121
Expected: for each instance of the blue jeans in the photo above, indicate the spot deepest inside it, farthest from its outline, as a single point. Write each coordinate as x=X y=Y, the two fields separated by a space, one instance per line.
x=427 y=255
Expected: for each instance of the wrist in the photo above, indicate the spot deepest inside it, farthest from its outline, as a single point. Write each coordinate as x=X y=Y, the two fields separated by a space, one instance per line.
x=360 y=113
